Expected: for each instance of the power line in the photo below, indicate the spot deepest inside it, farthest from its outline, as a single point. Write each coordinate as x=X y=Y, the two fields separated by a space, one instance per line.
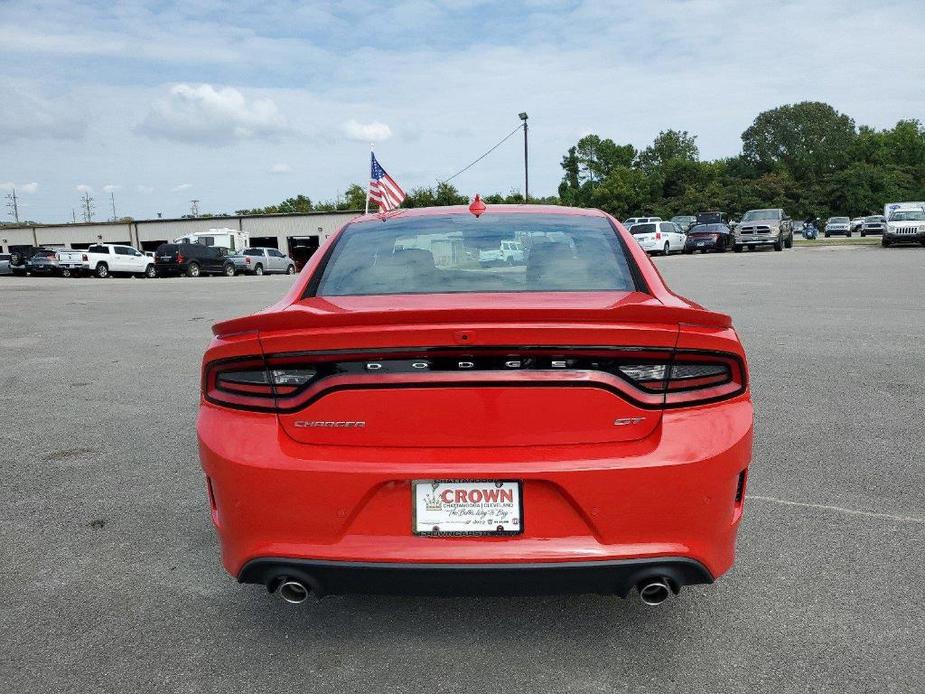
x=501 y=142
x=88 y=206
x=13 y=204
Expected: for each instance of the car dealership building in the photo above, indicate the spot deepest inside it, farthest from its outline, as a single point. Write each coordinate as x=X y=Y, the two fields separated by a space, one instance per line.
x=283 y=231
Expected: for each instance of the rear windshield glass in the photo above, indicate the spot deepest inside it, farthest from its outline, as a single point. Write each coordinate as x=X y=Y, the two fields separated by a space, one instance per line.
x=462 y=253
x=642 y=229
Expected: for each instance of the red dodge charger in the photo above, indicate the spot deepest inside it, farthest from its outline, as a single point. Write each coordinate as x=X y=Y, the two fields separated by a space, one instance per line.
x=475 y=401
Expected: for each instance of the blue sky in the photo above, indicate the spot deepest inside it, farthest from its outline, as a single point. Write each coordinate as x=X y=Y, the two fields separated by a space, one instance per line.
x=244 y=105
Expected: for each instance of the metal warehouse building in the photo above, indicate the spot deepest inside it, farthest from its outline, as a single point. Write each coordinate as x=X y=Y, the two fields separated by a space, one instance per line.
x=286 y=232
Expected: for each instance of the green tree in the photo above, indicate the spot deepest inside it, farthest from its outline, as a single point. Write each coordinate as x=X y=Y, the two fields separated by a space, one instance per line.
x=588 y=163
x=668 y=145
x=808 y=140
x=441 y=195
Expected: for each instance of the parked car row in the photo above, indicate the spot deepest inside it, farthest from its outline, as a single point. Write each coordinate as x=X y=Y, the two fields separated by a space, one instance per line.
x=170 y=259
x=709 y=231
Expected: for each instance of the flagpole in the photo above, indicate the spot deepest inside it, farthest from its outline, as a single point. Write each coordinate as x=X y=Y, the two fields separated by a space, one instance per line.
x=369 y=178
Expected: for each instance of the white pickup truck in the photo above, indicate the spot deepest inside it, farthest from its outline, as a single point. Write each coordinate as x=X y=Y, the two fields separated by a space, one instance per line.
x=105 y=260
x=510 y=253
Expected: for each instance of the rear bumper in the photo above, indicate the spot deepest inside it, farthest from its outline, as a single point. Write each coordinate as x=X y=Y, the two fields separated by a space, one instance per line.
x=604 y=577
x=672 y=494
x=703 y=245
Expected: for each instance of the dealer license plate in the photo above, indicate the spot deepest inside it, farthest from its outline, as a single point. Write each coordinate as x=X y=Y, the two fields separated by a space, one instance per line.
x=445 y=507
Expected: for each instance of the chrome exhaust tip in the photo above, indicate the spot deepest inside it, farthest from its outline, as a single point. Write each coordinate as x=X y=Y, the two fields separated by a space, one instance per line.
x=294 y=592
x=654 y=592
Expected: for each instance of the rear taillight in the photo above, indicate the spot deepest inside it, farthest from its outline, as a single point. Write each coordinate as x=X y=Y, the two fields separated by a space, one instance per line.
x=84 y=257
x=690 y=378
x=247 y=260
x=250 y=384
x=179 y=258
x=658 y=235
x=649 y=378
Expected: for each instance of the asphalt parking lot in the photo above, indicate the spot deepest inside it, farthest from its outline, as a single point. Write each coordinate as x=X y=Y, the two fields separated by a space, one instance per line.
x=110 y=575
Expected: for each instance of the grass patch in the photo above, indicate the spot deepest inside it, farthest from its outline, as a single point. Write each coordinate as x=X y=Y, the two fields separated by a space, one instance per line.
x=840 y=241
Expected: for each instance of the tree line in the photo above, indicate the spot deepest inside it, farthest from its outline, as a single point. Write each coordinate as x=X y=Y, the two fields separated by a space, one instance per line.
x=807 y=158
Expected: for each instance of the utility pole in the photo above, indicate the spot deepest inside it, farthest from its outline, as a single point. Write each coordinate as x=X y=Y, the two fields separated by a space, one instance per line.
x=74 y=215
x=112 y=196
x=194 y=208
x=88 y=207
x=523 y=117
x=13 y=204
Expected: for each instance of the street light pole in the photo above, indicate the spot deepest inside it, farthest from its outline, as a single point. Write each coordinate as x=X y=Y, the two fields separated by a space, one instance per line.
x=523 y=117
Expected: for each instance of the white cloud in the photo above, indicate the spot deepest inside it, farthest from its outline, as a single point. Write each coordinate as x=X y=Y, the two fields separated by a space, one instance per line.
x=367 y=132
x=110 y=188
x=204 y=114
x=144 y=189
x=26 y=115
x=280 y=168
x=181 y=187
x=83 y=188
x=9 y=187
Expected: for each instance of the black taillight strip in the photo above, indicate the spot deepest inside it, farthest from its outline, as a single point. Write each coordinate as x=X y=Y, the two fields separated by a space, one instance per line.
x=329 y=379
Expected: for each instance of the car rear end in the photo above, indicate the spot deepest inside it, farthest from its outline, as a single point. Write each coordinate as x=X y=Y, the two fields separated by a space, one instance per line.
x=648 y=236
x=169 y=259
x=43 y=262
x=73 y=263
x=419 y=430
x=705 y=238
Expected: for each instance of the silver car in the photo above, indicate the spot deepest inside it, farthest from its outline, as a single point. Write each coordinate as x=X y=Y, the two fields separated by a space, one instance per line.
x=838 y=225
x=875 y=224
x=5 y=264
x=259 y=260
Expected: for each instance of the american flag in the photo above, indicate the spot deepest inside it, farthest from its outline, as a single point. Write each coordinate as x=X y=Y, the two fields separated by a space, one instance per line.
x=383 y=190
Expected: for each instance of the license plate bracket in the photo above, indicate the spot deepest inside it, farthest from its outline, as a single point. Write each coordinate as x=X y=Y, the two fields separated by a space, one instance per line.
x=454 y=508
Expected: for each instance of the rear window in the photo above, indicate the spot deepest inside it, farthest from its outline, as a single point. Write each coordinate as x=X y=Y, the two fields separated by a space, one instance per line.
x=642 y=229
x=462 y=253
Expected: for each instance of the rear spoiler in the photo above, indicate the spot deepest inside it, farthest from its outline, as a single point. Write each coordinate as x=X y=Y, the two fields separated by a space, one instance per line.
x=301 y=316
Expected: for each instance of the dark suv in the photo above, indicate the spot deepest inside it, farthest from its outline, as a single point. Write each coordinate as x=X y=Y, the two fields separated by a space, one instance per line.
x=192 y=260
x=20 y=256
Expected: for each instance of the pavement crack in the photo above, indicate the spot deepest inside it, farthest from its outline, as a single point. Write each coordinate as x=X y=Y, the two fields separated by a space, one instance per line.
x=838 y=509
